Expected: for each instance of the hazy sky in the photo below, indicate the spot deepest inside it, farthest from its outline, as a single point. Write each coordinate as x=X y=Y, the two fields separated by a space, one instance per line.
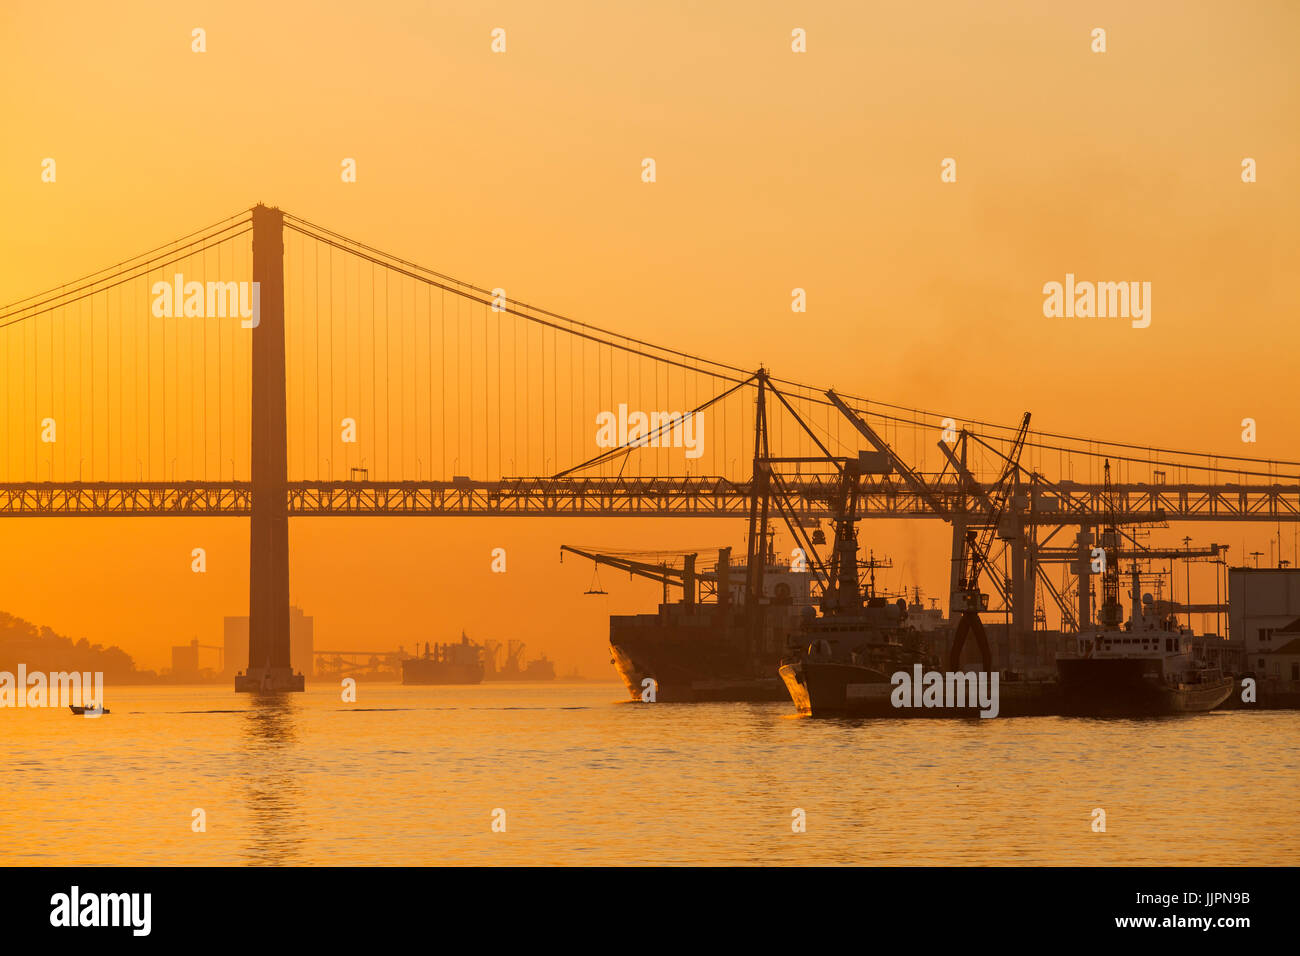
x=775 y=170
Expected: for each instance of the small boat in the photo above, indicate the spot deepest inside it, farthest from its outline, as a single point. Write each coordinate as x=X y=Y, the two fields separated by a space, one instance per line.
x=94 y=711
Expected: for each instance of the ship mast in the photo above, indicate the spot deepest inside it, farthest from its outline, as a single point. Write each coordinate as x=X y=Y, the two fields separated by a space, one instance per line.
x=842 y=594
x=758 y=516
x=1111 y=613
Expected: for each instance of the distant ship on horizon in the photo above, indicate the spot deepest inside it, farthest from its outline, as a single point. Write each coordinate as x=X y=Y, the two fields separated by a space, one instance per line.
x=454 y=663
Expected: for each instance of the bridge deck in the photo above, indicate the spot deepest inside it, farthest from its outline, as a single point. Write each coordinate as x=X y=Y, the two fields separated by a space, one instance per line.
x=696 y=497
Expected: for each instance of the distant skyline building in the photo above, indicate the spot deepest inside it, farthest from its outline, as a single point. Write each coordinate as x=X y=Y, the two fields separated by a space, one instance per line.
x=185 y=660
x=235 y=641
x=302 y=642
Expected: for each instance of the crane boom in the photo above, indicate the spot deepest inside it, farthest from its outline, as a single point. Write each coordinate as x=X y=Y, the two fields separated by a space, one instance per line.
x=686 y=577
x=655 y=572
x=910 y=478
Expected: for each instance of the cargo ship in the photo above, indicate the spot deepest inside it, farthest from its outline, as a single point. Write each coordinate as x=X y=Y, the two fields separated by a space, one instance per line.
x=714 y=644
x=1150 y=665
x=453 y=663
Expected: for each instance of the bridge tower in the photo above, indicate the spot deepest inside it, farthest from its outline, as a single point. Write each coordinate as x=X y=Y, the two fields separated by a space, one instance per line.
x=269 y=667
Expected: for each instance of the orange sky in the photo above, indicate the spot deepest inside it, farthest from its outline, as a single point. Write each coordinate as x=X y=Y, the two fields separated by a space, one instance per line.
x=775 y=171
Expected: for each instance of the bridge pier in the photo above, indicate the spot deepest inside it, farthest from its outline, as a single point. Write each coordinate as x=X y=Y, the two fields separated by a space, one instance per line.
x=269 y=667
x=1021 y=594
x=954 y=565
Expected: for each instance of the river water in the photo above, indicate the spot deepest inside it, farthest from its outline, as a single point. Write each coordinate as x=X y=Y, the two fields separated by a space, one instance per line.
x=413 y=775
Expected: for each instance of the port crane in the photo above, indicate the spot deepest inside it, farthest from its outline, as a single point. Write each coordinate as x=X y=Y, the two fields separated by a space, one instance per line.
x=504 y=659
x=838 y=578
x=694 y=583
x=968 y=599
x=773 y=496
x=770 y=492
x=841 y=590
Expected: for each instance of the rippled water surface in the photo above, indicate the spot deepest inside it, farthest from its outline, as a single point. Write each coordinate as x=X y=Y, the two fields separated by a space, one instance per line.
x=411 y=775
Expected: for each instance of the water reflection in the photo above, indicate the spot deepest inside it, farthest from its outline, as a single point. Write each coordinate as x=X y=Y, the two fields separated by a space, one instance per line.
x=270 y=762
x=413 y=778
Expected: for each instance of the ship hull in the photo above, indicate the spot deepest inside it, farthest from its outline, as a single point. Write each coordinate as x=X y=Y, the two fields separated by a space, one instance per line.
x=690 y=671
x=700 y=654
x=420 y=671
x=1130 y=687
x=834 y=689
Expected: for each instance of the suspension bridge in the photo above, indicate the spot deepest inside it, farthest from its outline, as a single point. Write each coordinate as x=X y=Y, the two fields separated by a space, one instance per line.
x=270 y=367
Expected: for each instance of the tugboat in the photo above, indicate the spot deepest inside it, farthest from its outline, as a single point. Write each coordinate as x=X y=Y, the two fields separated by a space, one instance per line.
x=1148 y=666
x=842 y=662
x=446 y=664
x=847 y=667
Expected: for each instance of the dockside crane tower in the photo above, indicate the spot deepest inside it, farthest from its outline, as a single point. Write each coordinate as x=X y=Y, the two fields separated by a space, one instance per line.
x=968 y=599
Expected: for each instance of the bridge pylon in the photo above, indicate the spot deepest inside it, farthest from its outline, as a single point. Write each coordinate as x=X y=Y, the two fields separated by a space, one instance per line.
x=269 y=667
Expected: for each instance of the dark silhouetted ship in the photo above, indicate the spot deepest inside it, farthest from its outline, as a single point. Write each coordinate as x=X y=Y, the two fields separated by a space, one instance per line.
x=711 y=645
x=841 y=662
x=456 y=663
